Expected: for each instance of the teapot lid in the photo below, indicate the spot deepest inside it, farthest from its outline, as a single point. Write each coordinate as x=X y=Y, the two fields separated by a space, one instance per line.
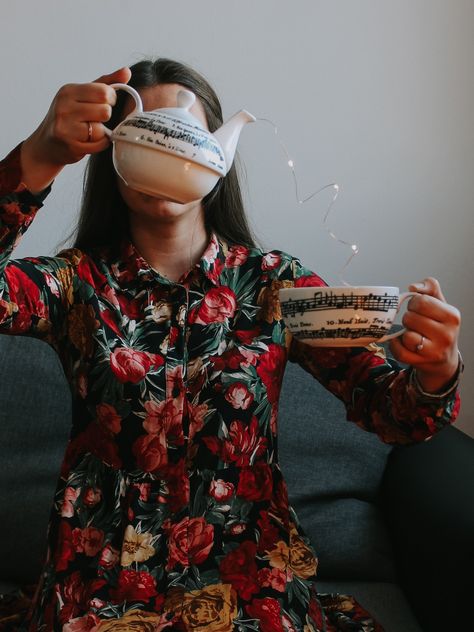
x=185 y=99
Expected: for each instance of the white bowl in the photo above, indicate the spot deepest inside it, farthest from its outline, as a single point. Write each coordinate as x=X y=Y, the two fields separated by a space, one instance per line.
x=341 y=316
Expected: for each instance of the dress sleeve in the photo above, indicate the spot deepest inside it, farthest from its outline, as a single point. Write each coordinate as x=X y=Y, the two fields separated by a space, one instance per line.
x=379 y=395
x=35 y=293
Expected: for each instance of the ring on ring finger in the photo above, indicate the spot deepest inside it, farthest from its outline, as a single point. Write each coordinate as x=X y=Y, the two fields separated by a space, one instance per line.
x=421 y=344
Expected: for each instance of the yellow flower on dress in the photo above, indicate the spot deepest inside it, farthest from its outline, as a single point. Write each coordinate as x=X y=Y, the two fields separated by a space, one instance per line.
x=269 y=301
x=298 y=556
x=65 y=277
x=302 y=560
x=280 y=556
x=134 y=621
x=211 y=609
x=136 y=547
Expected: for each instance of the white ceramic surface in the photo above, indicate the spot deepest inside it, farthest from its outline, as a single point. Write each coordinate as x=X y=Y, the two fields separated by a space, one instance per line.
x=168 y=153
x=342 y=316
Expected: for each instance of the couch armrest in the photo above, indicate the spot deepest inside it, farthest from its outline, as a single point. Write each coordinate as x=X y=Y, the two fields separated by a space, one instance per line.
x=427 y=496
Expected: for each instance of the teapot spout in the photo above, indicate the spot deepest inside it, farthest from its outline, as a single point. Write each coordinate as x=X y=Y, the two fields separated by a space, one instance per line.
x=228 y=134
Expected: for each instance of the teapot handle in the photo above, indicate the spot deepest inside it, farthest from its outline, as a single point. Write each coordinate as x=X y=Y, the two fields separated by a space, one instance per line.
x=138 y=102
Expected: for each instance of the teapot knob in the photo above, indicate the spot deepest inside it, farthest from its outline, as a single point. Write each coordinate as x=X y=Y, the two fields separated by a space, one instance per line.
x=186 y=99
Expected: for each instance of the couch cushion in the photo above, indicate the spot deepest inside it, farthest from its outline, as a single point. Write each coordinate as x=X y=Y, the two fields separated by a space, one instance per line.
x=334 y=471
x=385 y=601
x=35 y=413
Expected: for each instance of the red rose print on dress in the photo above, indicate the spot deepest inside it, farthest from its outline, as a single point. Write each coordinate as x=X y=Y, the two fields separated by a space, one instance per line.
x=242 y=444
x=271 y=261
x=144 y=490
x=250 y=358
x=211 y=251
x=240 y=569
x=150 y=452
x=130 y=365
x=109 y=557
x=197 y=415
x=268 y=613
x=217 y=306
x=273 y=578
x=239 y=396
x=88 y=541
x=255 y=482
x=92 y=496
x=269 y=533
x=73 y=597
x=165 y=417
x=177 y=481
x=236 y=256
x=134 y=586
x=67 y=506
x=221 y=490
x=65 y=551
x=12 y=214
x=246 y=336
x=231 y=359
x=174 y=380
x=108 y=418
x=216 y=270
x=23 y=291
x=270 y=368
x=190 y=542
x=309 y=280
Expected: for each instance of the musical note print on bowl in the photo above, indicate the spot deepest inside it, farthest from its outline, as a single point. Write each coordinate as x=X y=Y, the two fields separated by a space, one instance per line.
x=342 y=316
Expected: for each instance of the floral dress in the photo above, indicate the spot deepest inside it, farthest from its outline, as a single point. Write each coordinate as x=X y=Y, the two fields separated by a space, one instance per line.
x=171 y=511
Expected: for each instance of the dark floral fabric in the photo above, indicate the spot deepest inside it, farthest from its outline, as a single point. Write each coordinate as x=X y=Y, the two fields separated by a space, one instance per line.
x=171 y=511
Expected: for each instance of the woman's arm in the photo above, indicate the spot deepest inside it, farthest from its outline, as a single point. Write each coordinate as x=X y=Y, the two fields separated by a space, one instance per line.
x=36 y=293
x=400 y=405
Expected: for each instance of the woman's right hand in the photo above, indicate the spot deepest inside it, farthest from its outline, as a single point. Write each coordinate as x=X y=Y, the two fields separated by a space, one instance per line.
x=63 y=136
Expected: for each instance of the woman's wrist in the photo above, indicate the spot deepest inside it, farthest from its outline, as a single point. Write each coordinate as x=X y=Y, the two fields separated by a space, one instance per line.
x=438 y=386
x=37 y=173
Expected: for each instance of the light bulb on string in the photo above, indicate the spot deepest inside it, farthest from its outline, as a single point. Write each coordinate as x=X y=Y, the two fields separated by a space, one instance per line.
x=335 y=188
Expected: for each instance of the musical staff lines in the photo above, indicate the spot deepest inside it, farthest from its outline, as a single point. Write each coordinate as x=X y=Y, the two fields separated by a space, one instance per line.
x=346 y=333
x=328 y=300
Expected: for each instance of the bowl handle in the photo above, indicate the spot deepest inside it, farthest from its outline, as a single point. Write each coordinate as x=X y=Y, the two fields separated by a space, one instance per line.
x=402 y=298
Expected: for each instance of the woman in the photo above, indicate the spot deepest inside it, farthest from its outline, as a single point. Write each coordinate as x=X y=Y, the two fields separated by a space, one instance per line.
x=171 y=511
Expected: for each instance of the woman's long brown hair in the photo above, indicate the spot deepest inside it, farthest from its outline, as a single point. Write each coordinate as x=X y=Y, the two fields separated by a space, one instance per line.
x=103 y=219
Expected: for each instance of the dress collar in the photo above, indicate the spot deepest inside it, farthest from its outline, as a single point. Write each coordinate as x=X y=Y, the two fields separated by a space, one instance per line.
x=131 y=270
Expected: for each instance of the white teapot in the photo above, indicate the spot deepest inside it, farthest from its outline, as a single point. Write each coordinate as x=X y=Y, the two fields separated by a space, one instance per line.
x=167 y=153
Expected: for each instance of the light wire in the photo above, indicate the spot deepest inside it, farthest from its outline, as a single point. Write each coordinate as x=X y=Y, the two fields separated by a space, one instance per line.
x=334 y=186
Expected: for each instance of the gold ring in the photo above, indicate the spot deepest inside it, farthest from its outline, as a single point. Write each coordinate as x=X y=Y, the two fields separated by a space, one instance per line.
x=421 y=344
x=89 y=132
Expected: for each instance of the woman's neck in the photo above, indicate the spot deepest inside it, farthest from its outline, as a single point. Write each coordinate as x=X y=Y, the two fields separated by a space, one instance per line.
x=170 y=247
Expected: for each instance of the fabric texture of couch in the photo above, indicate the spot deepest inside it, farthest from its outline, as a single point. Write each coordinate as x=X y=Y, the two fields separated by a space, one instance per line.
x=392 y=526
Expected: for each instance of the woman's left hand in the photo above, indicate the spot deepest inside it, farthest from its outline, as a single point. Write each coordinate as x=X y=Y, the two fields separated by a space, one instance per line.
x=430 y=343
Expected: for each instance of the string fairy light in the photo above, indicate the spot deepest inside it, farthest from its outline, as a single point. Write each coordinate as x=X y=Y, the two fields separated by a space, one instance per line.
x=334 y=186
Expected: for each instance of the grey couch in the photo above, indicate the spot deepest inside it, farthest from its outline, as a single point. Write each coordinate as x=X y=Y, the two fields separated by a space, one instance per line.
x=393 y=527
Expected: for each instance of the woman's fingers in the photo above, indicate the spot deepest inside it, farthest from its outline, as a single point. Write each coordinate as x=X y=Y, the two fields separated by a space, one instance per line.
x=74 y=126
x=122 y=75
x=428 y=286
x=433 y=308
x=432 y=328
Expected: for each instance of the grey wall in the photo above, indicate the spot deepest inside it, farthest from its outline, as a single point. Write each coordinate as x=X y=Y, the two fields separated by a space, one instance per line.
x=376 y=95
